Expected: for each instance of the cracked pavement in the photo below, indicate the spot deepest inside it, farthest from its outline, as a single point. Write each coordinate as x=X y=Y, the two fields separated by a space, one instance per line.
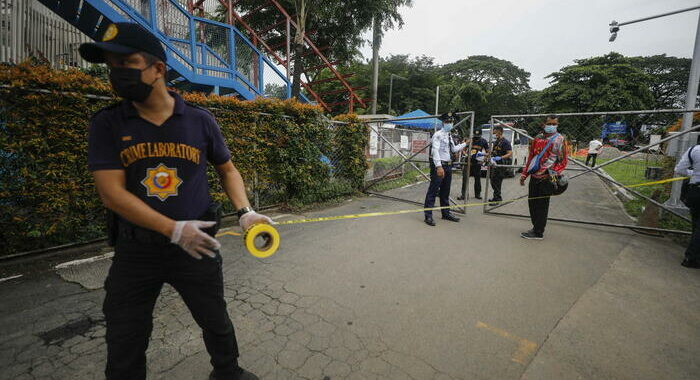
x=390 y=298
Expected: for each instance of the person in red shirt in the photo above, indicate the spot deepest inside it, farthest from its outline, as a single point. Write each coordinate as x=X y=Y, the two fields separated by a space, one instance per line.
x=547 y=157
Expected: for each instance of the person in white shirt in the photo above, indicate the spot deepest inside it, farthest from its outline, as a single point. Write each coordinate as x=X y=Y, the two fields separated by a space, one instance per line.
x=441 y=169
x=594 y=147
x=689 y=165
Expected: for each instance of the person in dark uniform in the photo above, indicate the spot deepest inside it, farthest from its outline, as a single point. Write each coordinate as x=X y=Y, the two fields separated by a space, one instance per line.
x=689 y=165
x=500 y=155
x=441 y=158
x=148 y=155
x=480 y=148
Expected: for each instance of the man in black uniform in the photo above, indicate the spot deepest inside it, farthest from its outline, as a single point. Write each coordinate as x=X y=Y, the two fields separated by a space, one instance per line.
x=480 y=148
x=148 y=155
x=500 y=155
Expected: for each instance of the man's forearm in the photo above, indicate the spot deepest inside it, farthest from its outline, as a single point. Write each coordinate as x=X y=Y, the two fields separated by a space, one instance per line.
x=133 y=209
x=233 y=185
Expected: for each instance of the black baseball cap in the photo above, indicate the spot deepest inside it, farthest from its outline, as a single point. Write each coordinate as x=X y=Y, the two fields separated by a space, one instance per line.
x=448 y=117
x=122 y=38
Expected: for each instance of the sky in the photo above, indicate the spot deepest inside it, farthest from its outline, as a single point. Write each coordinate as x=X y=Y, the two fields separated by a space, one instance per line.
x=540 y=36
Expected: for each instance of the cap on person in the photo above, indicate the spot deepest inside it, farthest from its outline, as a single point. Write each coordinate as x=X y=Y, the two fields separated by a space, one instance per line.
x=448 y=117
x=122 y=38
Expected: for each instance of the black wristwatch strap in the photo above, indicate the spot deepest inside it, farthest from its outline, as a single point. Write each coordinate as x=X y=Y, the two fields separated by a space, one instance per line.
x=244 y=210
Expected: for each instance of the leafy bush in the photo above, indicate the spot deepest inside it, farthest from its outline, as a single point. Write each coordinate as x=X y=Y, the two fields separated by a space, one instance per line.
x=47 y=195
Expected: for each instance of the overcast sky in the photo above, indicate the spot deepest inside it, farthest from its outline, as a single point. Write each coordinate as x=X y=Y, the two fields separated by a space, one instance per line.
x=541 y=36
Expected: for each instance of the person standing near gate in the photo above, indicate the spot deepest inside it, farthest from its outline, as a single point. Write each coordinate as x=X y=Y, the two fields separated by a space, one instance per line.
x=480 y=148
x=689 y=165
x=441 y=169
x=148 y=155
x=594 y=147
x=500 y=155
x=547 y=156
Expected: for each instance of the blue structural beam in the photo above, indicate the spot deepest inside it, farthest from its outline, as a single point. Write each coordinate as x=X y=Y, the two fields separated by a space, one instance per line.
x=192 y=64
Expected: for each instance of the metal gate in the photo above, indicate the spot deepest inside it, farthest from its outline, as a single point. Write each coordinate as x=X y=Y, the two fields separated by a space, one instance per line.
x=624 y=185
x=414 y=158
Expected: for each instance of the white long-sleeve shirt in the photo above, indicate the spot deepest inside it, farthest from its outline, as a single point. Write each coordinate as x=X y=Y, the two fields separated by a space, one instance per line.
x=440 y=149
x=683 y=166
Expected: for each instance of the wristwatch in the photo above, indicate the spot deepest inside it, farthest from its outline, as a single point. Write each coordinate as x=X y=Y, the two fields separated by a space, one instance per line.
x=244 y=210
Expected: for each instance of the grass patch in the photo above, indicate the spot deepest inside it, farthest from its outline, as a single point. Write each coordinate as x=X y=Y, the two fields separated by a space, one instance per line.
x=631 y=172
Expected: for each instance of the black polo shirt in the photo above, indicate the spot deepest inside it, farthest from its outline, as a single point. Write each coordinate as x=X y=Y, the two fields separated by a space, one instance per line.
x=501 y=147
x=165 y=165
x=479 y=144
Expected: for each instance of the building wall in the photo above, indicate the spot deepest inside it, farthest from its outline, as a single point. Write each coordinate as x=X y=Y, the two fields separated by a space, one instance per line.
x=29 y=29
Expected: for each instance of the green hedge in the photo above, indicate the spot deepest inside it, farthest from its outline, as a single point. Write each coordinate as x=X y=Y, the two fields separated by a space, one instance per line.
x=47 y=196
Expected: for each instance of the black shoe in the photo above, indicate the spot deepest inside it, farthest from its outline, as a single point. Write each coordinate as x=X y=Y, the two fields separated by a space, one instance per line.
x=532 y=235
x=430 y=222
x=691 y=264
x=460 y=198
x=451 y=218
x=495 y=200
x=477 y=196
x=242 y=375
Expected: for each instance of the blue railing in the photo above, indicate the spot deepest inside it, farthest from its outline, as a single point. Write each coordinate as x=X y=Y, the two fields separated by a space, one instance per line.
x=209 y=55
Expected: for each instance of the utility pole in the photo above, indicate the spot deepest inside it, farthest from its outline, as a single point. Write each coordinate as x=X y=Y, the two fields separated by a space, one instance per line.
x=690 y=96
x=391 y=88
x=437 y=102
x=376 y=41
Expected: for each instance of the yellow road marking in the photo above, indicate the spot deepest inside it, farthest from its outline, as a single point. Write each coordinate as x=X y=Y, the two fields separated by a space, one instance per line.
x=525 y=347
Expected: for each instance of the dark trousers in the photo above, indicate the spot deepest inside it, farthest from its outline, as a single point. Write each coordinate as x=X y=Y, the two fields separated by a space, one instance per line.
x=134 y=282
x=539 y=208
x=439 y=187
x=496 y=182
x=475 y=171
x=692 y=253
x=593 y=156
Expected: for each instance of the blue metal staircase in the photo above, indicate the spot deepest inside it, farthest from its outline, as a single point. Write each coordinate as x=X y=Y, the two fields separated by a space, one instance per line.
x=203 y=55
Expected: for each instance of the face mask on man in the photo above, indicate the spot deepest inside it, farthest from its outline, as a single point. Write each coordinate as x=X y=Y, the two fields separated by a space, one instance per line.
x=448 y=127
x=127 y=83
x=550 y=129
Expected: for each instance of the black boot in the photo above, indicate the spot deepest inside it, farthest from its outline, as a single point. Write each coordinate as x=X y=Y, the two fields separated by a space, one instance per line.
x=451 y=218
x=429 y=221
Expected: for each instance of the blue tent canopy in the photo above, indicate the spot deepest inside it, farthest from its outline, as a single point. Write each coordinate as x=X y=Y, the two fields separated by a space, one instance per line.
x=429 y=123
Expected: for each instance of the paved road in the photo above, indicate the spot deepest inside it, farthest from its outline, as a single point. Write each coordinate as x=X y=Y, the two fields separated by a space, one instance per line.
x=389 y=297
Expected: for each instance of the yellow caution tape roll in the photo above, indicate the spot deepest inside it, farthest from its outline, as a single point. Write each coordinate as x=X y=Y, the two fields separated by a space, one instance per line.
x=268 y=233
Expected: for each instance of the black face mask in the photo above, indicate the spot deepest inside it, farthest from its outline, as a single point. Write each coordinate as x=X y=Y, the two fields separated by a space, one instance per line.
x=127 y=83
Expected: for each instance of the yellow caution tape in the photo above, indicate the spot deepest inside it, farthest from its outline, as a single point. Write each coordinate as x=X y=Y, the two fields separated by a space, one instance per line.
x=266 y=232
x=272 y=238
x=658 y=182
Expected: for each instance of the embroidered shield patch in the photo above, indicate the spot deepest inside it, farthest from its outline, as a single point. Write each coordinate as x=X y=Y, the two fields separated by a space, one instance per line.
x=161 y=182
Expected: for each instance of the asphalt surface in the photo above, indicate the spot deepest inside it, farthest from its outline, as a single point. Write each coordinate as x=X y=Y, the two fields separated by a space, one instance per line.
x=389 y=297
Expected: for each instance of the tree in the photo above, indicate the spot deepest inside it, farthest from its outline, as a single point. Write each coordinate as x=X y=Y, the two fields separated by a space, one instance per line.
x=607 y=83
x=338 y=28
x=487 y=85
x=669 y=79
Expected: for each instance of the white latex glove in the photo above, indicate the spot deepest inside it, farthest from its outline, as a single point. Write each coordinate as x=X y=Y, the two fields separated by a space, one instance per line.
x=252 y=217
x=189 y=236
x=492 y=162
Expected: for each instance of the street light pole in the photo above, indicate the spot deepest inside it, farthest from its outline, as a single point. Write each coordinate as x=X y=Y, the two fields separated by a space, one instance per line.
x=437 y=101
x=391 y=86
x=690 y=96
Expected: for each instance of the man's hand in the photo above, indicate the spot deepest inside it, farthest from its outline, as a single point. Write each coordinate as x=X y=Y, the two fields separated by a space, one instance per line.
x=189 y=236
x=250 y=218
x=440 y=172
x=522 y=180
